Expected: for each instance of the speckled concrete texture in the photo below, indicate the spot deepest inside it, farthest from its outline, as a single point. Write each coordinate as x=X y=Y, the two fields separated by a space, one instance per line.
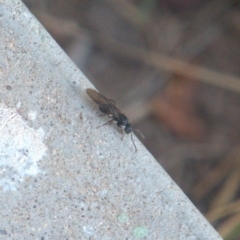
x=61 y=177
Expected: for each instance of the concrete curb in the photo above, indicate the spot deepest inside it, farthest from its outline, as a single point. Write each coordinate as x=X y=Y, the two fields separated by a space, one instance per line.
x=60 y=176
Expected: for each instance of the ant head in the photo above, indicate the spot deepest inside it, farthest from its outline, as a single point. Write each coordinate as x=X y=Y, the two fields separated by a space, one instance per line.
x=128 y=128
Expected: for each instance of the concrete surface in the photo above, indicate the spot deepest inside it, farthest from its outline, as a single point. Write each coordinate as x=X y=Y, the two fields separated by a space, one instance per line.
x=61 y=177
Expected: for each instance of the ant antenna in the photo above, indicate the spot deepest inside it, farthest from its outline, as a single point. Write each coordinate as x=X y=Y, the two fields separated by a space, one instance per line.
x=137 y=130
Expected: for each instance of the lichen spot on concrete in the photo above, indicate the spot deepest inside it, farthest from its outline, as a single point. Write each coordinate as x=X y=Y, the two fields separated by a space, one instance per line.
x=21 y=147
x=122 y=218
x=140 y=232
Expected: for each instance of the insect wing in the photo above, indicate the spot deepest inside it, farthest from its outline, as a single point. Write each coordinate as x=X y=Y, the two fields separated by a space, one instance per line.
x=107 y=106
x=97 y=97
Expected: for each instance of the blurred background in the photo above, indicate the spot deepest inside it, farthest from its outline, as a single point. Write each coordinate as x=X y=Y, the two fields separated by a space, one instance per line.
x=173 y=67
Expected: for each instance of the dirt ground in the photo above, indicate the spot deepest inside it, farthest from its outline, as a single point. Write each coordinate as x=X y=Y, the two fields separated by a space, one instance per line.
x=173 y=68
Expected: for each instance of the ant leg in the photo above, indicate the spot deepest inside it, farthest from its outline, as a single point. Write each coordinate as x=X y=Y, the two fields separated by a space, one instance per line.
x=122 y=134
x=122 y=130
x=133 y=142
x=106 y=123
